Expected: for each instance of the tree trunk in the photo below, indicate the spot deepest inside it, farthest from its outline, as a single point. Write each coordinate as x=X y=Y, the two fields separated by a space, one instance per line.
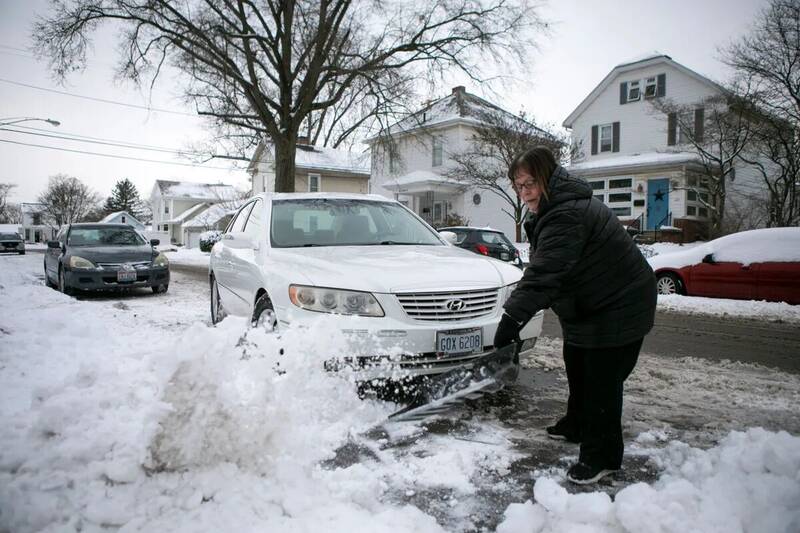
x=285 y=150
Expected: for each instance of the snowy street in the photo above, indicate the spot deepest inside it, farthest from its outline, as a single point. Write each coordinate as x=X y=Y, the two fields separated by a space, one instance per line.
x=133 y=413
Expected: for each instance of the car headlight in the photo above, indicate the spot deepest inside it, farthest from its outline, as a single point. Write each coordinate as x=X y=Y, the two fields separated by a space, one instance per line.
x=161 y=260
x=337 y=301
x=80 y=262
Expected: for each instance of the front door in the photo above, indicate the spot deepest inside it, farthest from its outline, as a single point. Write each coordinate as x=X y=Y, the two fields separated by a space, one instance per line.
x=657 y=202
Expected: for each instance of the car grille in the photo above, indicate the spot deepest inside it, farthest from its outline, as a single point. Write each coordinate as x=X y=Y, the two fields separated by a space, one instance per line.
x=116 y=266
x=449 y=306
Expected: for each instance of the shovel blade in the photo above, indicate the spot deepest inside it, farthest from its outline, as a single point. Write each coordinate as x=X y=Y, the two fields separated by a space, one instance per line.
x=484 y=375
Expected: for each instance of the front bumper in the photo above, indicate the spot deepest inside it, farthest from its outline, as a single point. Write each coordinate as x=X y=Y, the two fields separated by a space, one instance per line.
x=106 y=279
x=396 y=347
x=13 y=248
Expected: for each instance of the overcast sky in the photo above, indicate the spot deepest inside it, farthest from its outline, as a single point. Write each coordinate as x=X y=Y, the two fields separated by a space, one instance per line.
x=587 y=39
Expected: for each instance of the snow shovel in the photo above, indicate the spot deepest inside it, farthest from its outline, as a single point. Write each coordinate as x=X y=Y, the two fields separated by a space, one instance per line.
x=484 y=375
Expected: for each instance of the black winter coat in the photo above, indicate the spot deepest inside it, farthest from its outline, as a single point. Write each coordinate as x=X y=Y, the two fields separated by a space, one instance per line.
x=585 y=266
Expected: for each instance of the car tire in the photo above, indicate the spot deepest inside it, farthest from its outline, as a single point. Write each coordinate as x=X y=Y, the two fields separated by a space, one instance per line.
x=264 y=314
x=669 y=283
x=160 y=289
x=62 y=282
x=217 y=311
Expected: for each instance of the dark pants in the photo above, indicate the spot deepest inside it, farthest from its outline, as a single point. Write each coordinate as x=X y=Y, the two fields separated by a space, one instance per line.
x=595 y=378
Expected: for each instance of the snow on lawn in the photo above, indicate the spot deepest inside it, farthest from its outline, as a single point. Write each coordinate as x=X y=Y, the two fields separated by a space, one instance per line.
x=135 y=414
x=188 y=256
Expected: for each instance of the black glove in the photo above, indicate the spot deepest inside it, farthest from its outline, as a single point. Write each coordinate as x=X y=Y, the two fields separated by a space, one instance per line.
x=507 y=331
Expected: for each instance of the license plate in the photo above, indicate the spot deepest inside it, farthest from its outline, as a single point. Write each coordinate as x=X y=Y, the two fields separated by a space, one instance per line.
x=126 y=275
x=459 y=341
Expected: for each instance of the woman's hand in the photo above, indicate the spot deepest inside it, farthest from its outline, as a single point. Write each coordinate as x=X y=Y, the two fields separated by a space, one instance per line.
x=507 y=331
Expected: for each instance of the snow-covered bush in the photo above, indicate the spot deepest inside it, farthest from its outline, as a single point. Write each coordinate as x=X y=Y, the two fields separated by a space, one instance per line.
x=208 y=238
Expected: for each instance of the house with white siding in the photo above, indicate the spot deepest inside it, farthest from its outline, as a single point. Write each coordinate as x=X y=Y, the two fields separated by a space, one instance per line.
x=317 y=169
x=636 y=158
x=415 y=171
x=123 y=217
x=34 y=227
x=176 y=202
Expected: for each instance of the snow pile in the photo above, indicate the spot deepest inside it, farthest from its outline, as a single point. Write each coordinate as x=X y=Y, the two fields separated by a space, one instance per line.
x=749 y=483
x=776 y=311
x=188 y=256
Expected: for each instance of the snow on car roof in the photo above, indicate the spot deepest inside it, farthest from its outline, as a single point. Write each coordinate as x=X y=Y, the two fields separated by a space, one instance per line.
x=780 y=245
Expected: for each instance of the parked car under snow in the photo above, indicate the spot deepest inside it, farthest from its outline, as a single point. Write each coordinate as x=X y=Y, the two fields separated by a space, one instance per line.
x=762 y=264
x=406 y=298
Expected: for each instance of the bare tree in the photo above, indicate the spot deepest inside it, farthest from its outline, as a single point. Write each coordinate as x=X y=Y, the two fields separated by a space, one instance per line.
x=769 y=59
x=9 y=213
x=67 y=200
x=271 y=67
x=719 y=129
x=498 y=139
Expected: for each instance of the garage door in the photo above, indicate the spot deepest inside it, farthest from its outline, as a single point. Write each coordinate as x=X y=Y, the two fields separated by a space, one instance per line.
x=194 y=240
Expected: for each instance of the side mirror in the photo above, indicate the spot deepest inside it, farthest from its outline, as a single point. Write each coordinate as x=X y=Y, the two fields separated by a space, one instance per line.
x=449 y=236
x=53 y=244
x=709 y=259
x=154 y=242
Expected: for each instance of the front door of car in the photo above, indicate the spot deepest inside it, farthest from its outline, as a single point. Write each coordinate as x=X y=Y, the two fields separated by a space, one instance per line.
x=223 y=264
x=723 y=280
x=244 y=248
x=51 y=255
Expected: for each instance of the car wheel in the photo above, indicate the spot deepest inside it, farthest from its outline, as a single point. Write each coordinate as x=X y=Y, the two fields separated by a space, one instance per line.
x=668 y=283
x=264 y=314
x=158 y=289
x=217 y=311
x=62 y=282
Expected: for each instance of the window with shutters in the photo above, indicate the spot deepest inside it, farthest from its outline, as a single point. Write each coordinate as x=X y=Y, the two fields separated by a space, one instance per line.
x=634 y=91
x=685 y=126
x=606 y=137
x=650 y=87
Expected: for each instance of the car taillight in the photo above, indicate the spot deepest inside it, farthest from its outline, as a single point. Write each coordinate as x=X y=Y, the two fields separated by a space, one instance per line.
x=482 y=249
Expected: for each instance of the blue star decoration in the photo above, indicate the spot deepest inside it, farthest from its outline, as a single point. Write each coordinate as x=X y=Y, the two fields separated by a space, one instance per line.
x=659 y=196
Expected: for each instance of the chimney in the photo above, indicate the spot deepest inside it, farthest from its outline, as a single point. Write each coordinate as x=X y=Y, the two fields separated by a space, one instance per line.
x=459 y=90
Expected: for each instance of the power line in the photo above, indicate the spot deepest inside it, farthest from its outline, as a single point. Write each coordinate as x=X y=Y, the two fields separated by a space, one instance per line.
x=114 y=156
x=103 y=100
x=97 y=140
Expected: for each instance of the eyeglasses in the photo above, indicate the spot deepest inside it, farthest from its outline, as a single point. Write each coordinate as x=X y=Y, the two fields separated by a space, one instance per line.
x=527 y=185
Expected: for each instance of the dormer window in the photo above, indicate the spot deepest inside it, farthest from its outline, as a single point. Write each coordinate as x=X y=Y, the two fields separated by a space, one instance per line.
x=633 y=91
x=650 y=87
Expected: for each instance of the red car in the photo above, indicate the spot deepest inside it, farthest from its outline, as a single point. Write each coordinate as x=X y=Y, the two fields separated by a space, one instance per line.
x=762 y=264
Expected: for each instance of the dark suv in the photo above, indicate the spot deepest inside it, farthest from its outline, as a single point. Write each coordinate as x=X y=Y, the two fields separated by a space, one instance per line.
x=486 y=241
x=11 y=242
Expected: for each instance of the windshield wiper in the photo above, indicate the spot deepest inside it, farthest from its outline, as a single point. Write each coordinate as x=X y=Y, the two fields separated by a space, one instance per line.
x=383 y=243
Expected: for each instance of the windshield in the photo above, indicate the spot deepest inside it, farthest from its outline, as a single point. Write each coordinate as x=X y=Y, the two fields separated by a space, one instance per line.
x=10 y=237
x=345 y=222
x=104 y=237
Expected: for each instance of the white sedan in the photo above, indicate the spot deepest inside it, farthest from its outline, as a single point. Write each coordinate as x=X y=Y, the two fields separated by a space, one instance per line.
x=407 y=298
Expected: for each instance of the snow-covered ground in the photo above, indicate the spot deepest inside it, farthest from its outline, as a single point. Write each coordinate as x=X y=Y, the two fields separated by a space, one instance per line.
x=132 y=413
x=187 y=256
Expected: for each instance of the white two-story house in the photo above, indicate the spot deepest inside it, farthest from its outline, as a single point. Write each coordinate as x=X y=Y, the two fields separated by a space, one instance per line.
x=177 y=202
x=417 y=171
x=634 y=157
